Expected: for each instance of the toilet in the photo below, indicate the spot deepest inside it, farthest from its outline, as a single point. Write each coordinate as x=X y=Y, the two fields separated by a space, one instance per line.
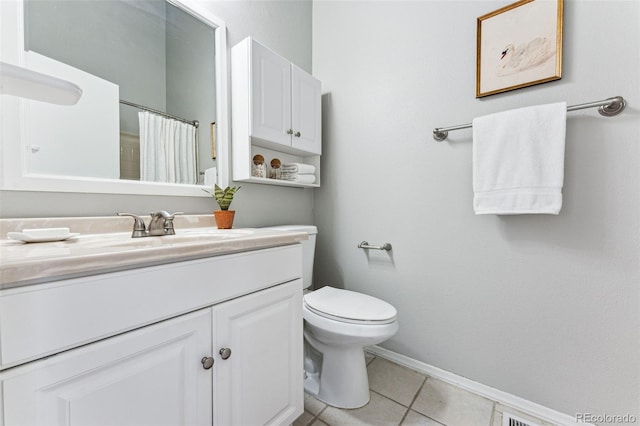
x=338 y=324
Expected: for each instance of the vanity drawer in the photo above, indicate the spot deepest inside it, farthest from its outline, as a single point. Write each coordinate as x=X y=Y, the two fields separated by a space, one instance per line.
x=43 y=319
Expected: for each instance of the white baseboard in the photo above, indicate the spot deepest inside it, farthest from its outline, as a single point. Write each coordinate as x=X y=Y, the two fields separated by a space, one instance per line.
x=520 y=404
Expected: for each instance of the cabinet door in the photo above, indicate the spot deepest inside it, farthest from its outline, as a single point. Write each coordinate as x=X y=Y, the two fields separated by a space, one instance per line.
x=261 y=382
x=151 y=376
x=271 y=96
x=306 y=114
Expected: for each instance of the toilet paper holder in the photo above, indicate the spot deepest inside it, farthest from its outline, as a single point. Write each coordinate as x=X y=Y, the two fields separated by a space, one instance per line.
x=366 y=245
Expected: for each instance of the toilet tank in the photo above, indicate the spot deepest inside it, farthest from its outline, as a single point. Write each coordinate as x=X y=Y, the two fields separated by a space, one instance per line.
x=308 y=249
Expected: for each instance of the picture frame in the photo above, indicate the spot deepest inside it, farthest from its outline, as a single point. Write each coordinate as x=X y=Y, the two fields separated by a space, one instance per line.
x=519 y=45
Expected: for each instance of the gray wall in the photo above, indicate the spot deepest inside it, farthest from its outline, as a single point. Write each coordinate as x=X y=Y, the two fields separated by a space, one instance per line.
x=543 y=307
x=285 y=26
x=190 y=62
x=167 y=53
x=86 y=38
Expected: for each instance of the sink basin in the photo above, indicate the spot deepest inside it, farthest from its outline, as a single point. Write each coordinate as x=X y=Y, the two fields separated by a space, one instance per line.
x=223 y=233
x=193 y=235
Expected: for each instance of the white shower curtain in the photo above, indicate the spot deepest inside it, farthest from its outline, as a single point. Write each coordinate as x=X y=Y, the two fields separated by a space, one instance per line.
x=167 y=149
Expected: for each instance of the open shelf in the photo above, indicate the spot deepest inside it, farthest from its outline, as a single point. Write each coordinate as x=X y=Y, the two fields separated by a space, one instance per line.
x=280 y=182
x=242 y=166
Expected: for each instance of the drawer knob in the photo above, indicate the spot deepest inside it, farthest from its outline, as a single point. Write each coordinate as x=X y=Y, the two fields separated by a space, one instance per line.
x=225 y=353
x=207 y=362
x=290 y=131
x=297 y=134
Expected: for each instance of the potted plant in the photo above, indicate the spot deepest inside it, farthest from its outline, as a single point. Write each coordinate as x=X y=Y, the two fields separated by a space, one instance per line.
x=224 y=197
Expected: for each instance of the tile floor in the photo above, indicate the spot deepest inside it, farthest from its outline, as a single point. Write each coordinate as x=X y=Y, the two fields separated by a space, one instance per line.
x=400 y=396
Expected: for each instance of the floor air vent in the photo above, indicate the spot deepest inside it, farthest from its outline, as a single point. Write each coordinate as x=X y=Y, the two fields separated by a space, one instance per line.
x=511 y=420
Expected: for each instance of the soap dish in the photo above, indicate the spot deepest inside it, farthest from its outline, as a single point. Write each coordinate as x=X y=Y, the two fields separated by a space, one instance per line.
x=42 y=235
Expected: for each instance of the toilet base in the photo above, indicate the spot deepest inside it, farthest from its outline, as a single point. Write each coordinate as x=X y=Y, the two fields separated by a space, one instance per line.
x=342 y=379
x=312 y=384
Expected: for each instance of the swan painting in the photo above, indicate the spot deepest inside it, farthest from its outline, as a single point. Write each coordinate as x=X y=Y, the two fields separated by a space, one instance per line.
x=526 y=56
x=519 y=45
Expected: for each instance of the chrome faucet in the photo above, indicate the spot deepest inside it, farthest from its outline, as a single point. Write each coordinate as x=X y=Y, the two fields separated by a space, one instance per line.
x=161 y=224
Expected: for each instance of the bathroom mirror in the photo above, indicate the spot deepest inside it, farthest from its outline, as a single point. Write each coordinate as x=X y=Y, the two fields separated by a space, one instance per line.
x=149 y=70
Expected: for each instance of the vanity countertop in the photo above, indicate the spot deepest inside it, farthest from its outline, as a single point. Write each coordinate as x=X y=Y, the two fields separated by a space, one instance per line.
x=105 y=246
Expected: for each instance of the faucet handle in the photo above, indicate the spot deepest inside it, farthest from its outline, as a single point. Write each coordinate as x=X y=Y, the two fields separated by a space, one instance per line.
x=168 y=224
x=139 y=228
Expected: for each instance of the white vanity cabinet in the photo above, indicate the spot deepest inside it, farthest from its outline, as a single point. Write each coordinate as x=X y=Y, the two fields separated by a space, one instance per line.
x=260 y=380
x=275 y=106
x=136 y=347
x=150 y=376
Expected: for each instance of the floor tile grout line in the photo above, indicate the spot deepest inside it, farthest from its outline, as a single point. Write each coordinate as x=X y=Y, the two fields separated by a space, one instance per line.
x=390 y=398
x=395 y=402
x=416 y=397
x=406 y=413
x=418 y=392
x=317 y=417
x=425 y=377
x=313 y=419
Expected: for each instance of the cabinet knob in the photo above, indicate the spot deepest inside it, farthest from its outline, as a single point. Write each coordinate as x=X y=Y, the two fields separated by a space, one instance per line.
x=290 y=131
x=297 y=134
x=225 y=353
x=207 y=362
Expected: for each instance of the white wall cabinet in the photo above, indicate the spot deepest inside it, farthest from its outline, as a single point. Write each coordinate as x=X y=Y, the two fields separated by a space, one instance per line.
x=155 y=373
x=269 y=100
x=306 y=111
x=276 y=110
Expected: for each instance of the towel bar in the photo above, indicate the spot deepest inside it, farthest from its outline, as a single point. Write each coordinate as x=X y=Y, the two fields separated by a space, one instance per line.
x=365 y=245
x=607 y=108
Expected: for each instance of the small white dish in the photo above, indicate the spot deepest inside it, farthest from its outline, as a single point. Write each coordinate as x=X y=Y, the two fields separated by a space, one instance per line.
x=41 y=237
x=46 y=232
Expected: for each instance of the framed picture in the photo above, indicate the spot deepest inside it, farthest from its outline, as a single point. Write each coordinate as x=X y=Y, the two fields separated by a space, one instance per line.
x=519 y=45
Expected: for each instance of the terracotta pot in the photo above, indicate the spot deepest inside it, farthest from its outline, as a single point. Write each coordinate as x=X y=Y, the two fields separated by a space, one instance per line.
x=224 y=218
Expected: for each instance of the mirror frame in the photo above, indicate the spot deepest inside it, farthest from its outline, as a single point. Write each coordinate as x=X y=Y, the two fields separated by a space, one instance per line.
x=15 y=176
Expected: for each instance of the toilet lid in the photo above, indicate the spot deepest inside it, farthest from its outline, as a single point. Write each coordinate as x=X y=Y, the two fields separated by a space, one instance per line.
x=349 y=306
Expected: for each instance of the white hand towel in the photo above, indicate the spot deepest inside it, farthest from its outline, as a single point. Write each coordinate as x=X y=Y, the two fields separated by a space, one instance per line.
x=301 y=168
x=300 y=178
x=518 y=160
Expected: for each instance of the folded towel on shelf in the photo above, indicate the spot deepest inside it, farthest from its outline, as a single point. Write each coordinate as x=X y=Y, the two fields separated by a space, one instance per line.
x=518 y=160
x=301 y=168
x=299 y=178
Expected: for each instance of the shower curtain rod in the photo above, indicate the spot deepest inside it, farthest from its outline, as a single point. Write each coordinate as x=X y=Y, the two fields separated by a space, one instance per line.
x=607 y=108
x=194 y=123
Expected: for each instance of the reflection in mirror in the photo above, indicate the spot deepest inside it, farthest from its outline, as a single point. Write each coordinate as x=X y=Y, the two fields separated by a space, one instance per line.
x=147 y=72
x=26 y=83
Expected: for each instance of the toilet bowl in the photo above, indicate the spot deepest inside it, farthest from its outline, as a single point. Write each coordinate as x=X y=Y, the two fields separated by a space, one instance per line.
x=353 y=321
x=338 y=324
